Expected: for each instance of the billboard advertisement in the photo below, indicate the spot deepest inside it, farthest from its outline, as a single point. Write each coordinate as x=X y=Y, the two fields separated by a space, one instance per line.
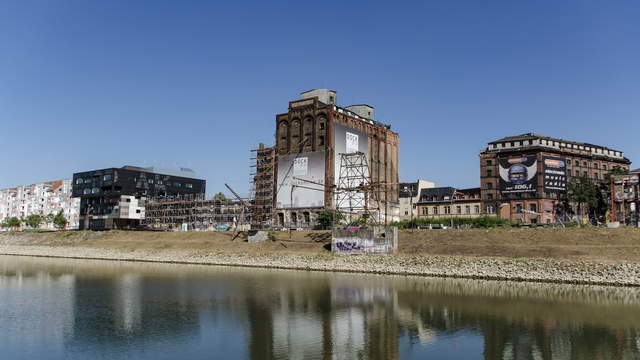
x=555 y=174
x=518 y=175
x=291 y=168
x=348 y=140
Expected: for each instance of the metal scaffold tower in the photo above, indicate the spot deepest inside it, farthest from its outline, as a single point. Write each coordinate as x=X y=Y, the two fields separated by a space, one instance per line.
x=355 y=196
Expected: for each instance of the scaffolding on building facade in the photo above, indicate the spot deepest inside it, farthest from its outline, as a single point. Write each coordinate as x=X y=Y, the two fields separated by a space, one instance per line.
x=193 y=212
x=262 y=187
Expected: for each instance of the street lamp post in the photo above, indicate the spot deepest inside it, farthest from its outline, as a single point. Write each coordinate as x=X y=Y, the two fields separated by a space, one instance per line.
x=451 y=209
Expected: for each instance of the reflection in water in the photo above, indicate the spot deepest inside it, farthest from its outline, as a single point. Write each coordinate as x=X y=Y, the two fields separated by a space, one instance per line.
x=81 y=309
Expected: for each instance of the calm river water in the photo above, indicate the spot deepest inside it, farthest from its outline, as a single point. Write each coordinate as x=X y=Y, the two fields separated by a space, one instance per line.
x=80 y=309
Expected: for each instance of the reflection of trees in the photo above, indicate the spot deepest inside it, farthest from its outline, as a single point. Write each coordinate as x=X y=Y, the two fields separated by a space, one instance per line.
x=522 y=337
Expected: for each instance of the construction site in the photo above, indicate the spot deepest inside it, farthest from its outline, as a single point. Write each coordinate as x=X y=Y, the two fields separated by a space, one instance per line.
x=195 y=213
x=325 y=158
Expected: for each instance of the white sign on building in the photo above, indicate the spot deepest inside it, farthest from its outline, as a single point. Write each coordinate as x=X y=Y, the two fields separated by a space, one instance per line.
x=351 y=143
x=301 y=166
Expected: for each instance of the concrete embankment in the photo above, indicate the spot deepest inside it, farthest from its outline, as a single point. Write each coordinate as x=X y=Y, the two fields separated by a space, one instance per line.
x=521 y=269
x=580 y=265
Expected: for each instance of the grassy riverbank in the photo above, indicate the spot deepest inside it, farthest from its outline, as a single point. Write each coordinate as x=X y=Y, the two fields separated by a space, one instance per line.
x=603 y=256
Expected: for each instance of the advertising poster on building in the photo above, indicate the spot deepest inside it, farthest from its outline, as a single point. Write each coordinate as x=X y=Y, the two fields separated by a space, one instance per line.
x=291 y=168
x=348 y=140
x=555 y=174
x=518 y=175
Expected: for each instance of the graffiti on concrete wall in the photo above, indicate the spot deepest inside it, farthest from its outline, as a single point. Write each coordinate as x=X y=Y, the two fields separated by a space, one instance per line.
x=348 y=245
x=381 y=240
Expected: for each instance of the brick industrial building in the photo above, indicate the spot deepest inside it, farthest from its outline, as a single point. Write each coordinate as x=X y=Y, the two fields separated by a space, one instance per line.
x=114 y=198
x=310 y=138
x=525 y=177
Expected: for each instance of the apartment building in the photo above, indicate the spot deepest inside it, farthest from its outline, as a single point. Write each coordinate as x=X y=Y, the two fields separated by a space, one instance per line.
x=41 y=199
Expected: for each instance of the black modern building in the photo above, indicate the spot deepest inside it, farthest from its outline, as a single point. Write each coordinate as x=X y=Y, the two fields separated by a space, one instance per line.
x=114 y=198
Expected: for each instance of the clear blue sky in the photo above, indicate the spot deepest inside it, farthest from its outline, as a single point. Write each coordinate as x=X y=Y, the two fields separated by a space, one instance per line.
x=93 y=84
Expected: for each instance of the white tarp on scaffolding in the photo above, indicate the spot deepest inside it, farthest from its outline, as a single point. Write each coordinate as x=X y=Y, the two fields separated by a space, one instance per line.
x=291 y=168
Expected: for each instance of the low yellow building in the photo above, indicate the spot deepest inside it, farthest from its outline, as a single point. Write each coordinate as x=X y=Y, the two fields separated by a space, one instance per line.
x=448 y=202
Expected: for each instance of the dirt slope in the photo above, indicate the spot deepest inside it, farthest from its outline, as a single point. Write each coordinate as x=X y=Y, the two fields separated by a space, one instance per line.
x=577 y=244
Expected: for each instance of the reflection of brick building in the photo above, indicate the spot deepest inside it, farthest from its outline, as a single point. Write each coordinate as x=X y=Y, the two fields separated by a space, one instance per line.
x=309 y=138
x=519 y=181
x=448 y=201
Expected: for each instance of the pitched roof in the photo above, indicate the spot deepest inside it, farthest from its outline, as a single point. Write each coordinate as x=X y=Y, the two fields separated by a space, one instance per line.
x=408 y=189
x=439 y=193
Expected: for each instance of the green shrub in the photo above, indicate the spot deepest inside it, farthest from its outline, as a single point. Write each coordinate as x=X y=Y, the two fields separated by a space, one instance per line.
x=483 y=222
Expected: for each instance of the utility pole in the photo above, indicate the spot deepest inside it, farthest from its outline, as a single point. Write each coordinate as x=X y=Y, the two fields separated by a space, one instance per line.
x=451 y=209
x=411 y=205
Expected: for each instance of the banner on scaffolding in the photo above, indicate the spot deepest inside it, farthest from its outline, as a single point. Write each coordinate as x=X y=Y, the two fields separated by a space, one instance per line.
x=298 y=179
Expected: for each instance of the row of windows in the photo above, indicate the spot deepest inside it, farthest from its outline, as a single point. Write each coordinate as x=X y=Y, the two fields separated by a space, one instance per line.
x=596 y=150
x=305 y=217
x=576 y=172
x=448 y=198
x=569 y=163
x=109 y=177
x=301 y=135
x=447 y=210
x=490 y=209
x=533 y=195
x=161 y=182
x=106 y=177
x=586 y=164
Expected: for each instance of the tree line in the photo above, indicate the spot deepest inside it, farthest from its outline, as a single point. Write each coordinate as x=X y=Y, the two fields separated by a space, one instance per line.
x=34 y=221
